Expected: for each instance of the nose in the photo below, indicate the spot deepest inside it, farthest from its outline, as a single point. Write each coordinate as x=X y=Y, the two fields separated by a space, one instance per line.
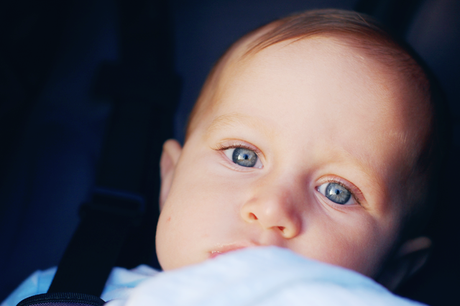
x=274 y=211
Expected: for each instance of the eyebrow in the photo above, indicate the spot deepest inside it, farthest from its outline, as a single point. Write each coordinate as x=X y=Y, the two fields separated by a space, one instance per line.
x=232 y=120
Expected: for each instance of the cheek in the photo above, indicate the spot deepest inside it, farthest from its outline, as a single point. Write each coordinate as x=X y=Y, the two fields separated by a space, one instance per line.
x=200 y=210
x=354 y=243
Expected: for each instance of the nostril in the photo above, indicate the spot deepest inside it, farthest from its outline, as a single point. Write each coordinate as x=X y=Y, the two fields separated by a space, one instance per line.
x=253 y=217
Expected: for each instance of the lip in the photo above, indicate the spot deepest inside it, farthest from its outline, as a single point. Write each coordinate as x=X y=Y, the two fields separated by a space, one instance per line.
x=225 y=248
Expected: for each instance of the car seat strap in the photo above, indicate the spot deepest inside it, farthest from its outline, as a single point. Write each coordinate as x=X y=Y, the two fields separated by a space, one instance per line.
x=96 y=244
x=62 y=299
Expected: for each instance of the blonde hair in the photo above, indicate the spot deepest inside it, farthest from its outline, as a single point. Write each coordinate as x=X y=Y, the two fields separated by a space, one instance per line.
x=357 y=30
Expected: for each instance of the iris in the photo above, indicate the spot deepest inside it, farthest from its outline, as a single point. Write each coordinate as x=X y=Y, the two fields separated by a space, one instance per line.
x=337 y=193
x=244 y=157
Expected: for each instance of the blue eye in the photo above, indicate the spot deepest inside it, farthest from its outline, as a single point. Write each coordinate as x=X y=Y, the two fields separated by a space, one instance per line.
x=243 y=157
x=336 y=193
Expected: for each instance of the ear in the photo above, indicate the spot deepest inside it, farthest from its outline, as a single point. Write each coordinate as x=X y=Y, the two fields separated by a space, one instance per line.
x=169 y=158
x=409 y=258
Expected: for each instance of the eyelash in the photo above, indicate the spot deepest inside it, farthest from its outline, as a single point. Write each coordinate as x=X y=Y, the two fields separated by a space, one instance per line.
x=222 y=147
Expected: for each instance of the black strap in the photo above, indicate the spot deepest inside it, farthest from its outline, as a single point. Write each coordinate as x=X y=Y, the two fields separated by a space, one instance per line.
x=95 y=245
x=62 y=299
x=143 y=89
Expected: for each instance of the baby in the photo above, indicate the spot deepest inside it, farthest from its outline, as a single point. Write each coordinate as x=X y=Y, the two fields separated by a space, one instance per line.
x=316 y=133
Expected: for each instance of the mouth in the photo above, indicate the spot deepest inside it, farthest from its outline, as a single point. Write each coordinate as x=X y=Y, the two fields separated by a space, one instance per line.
x=225 y=248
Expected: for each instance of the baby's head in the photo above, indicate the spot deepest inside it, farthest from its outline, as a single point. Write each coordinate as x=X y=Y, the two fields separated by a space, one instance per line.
x=315 y=133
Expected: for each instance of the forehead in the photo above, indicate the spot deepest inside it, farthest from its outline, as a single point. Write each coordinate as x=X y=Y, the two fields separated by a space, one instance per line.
x=312 y=79
x=318 y=97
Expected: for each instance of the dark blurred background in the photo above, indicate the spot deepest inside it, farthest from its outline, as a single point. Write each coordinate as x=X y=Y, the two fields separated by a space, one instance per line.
x=90 y=85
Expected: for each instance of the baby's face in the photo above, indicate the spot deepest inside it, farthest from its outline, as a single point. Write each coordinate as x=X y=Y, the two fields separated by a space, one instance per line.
x=304 y=149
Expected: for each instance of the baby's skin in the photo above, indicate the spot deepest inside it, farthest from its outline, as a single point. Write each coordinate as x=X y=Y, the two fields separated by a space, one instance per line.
x=304 y=148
